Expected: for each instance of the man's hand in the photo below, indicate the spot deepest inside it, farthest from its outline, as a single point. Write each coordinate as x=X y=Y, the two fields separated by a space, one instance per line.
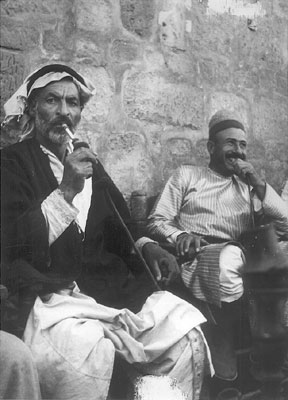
x=188 y=244
x=245 y=170
x=162 y=264
x=78 y=166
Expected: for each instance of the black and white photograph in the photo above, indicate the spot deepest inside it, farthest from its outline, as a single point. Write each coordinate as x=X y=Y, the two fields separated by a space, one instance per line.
x=144 y=200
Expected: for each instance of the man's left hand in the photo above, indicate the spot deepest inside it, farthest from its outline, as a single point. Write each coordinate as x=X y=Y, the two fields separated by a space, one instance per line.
x=162 y=264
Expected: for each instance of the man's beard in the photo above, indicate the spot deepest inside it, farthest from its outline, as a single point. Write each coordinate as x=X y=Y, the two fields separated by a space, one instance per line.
x=57 y=137
x=52 y=131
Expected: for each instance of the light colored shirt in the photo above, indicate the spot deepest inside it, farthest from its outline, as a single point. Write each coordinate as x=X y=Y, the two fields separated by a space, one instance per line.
x=58 y=213
x=198 y=200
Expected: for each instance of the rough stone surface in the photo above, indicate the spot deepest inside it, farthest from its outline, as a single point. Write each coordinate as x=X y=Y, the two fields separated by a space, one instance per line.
x=89 y=52
x=155 y=97
x=161 y=68
x=172 y=24
x=137 y=16
x=98 y=109
x=275 y=123
x=12 y=73
x=124 y=51
x=96 y=17
x=21 y=37
x=18 y=8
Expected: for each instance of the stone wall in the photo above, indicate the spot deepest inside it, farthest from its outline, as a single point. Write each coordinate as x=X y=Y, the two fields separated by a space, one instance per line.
x=161 y=69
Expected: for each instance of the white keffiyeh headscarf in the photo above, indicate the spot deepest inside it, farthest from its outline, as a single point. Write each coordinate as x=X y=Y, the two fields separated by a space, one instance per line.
x=15 y=108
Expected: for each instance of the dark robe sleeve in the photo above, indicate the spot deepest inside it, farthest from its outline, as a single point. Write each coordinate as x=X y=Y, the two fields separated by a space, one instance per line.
x=24 y=230
x=27 y=180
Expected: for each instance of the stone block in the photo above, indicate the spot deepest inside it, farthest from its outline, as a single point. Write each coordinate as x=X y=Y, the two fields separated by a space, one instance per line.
x=171 y=160
x=128 y=163
x=280 y=8
x=276 y=162
x=12 y=73
x=179 y=147
x=138 y=16
x=60 y=35
x=16 y=7
x=12 y=76
x=246 y=77
x=123 y=51
x=19 y=35
x=269 y=158
x=187 y=147
x=266 y=48
x=124 y=142
x=201 y=154
x=270 y=118
x=267 y=79
x=154 y=59
x=89 y=52
x=223 y=74
x=99 y=106
x=213 y=37
x=282 y=83
x=157 y=98
x=54 y=41
x=96 y=17
x=183 y=64
x=207 y=71
x=172 y=25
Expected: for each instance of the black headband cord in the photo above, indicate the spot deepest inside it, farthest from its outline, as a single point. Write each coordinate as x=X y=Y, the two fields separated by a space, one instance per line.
x=54 y=68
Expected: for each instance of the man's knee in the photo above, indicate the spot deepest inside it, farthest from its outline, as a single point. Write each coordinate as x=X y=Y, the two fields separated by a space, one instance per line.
x=14 y=353
x=231 y=263
x=19 y=377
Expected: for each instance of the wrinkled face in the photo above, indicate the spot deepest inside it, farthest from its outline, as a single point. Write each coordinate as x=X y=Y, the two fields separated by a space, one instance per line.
x=56 y=104
x=227 y=146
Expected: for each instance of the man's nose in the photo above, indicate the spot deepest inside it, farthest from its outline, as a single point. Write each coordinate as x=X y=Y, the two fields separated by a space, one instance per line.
x=237 y=147
x=63 y=109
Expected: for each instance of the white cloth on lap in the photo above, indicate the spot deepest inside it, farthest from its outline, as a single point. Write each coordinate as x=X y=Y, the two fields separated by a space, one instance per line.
x=73 y=340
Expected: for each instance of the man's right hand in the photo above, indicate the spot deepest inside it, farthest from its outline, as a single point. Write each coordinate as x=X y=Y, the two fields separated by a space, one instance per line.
x=188 y=244
x=78 y=166
x=162 y=264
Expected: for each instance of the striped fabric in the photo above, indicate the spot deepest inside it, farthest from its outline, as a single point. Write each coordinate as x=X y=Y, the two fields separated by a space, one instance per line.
x=198 y=200
x=201 y=275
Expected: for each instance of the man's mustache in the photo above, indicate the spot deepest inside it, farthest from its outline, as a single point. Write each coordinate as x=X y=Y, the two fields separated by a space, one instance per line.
x=234 y=154
x=60 y=121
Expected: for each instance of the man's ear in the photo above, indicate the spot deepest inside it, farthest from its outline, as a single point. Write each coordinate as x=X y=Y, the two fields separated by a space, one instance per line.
x=210 y=146
x=32 y=106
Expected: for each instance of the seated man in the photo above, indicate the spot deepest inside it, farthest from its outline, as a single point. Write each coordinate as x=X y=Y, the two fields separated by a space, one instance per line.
x=55 y=222
x=204 y=211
